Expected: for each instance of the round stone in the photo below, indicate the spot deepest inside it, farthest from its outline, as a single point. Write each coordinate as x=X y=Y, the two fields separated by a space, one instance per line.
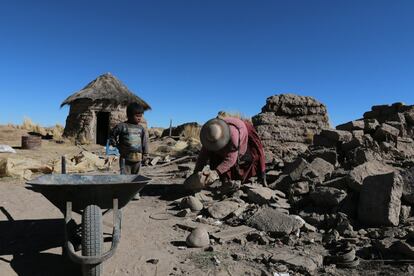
x=192 y=202
x=198 y=238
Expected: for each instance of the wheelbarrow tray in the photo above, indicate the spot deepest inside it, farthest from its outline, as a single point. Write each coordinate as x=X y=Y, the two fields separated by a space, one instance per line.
x=84 y=190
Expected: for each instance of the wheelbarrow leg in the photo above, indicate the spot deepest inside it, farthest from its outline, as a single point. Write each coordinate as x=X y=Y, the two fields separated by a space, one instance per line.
x=68 y=218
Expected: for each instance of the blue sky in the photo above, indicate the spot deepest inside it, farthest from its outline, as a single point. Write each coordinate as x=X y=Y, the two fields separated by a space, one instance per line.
x=190 y=59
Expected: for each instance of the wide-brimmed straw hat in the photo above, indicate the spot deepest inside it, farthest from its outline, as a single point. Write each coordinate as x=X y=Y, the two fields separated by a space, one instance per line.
x=215 y=134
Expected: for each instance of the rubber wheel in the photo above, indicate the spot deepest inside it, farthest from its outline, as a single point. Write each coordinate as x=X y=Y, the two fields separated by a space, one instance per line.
x=92 y=238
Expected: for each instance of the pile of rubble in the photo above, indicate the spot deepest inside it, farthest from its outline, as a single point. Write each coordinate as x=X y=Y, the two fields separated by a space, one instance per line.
x=287 y=124
x=345 y=201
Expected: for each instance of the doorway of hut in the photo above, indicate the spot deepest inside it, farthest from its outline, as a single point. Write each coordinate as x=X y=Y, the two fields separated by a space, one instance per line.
x=102 y=127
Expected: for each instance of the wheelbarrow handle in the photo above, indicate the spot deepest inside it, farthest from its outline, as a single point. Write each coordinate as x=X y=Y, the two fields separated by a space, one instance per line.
x=92 y=260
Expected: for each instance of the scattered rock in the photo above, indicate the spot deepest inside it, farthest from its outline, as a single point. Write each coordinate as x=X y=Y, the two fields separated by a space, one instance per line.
x=198 y=238
x=270 y=220
x=308 y=262
x=260 y=195
x=155 y=160
x=295 y=169
x=222 y=209
x=232 y=232
x=153 y=261
x=327 y=196
x=318 y=169
x=183 y=213
x=405 y=213
x=192 y=202
x=299 y=188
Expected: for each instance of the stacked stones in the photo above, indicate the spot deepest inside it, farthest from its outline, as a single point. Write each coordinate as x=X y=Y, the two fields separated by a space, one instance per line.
x=287 y=124
x=363 y=169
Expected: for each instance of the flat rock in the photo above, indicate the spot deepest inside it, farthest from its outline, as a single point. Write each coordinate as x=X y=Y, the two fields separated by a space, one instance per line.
x=222 y=209
x=353 y=125
x=232 y=232
x=270 y=220
x=260 y=195
x=309 y=262
x=380 y=200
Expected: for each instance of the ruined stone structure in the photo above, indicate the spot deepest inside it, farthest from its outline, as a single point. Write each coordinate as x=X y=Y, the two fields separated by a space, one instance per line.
x=288 y=123
x=97 y=108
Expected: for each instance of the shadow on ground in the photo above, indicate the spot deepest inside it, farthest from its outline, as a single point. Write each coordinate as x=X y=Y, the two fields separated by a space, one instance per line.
x=168 y=192
x=26 y=239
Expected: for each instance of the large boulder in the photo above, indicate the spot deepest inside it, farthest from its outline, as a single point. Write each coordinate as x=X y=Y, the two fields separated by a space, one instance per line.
x=380 y=200
x=408 y=185
x=359 y=173
x=288 y=123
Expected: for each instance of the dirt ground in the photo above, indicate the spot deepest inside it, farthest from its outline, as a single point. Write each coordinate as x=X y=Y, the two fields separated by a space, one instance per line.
x=31 y=232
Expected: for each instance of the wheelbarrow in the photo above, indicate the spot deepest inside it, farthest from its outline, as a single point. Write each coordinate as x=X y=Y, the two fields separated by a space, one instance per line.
x=88 y=195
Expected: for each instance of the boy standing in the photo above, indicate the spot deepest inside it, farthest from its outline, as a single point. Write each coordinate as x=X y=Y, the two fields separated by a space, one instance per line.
x=131 y=140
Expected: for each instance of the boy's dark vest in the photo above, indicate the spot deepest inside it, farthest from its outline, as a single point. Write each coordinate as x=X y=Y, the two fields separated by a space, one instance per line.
x=130 y=141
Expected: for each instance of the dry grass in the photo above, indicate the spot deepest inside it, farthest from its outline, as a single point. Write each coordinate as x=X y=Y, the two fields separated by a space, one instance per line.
x=56 y=131
x=234 y=114
x=309 y=137
x=191 y=132
x=30 y=126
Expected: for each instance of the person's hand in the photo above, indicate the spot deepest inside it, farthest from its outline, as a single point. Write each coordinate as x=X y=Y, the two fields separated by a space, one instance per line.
x=211 y=176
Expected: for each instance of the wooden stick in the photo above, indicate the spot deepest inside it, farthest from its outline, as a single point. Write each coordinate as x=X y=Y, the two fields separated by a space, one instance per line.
x=173 y=161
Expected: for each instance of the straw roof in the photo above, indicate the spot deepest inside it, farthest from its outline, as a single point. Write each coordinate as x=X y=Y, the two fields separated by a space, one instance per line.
x=106 y=87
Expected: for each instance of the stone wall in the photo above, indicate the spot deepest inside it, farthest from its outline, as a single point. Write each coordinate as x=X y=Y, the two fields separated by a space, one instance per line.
x=288 y=123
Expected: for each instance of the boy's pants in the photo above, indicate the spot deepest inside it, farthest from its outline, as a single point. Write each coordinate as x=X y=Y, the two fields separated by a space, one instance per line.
x=129 y=167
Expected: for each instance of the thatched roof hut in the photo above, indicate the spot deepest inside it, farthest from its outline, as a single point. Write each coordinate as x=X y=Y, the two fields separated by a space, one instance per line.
x=97 y=108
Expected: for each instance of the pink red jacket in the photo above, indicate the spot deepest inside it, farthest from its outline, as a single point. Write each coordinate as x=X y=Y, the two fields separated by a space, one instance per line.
x=238 y=132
